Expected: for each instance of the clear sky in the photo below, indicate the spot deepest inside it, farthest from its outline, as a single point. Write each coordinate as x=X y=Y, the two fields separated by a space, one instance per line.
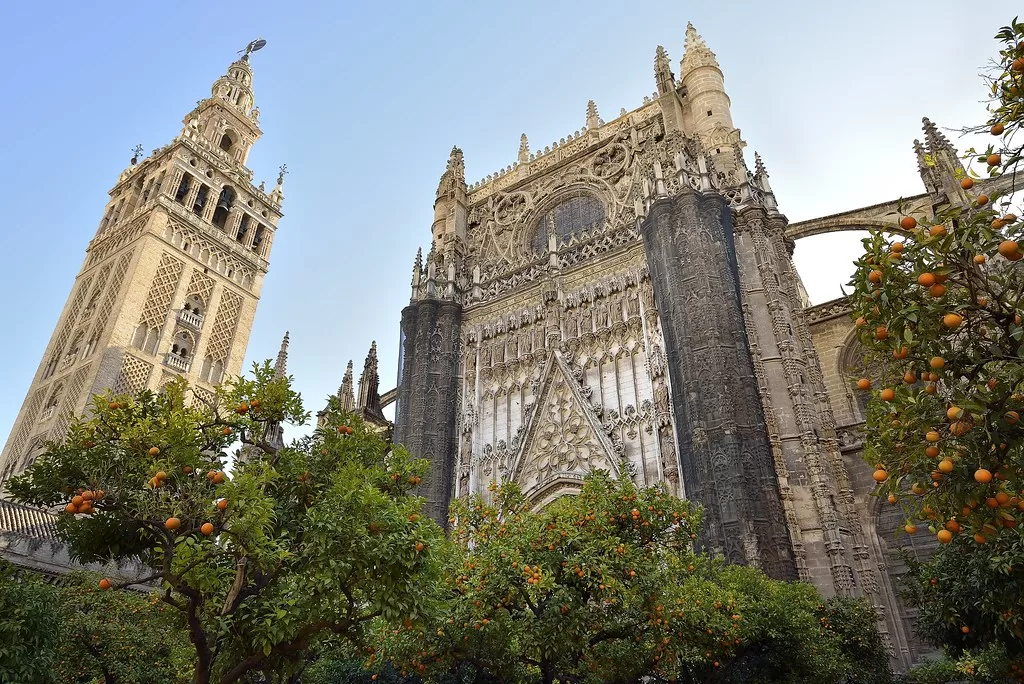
x=364 y=100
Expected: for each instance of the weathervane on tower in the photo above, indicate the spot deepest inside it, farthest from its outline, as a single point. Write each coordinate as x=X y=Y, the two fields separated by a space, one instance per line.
x=253 y=47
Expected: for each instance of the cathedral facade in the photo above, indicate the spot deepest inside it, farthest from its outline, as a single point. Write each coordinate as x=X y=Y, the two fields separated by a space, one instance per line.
x=625 y=299
x=171 y=279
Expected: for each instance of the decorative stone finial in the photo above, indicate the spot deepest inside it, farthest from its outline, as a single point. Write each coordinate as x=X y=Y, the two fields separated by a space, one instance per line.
x=933 y=137
x=282 y=172
x=136 y=154
x=593 y=120
x=346 y=393
x=759 y=168
x=454 y=176
x=524 y=148
x=663 y=76
x=281 y=365
x=922 y=155
x=697 y=54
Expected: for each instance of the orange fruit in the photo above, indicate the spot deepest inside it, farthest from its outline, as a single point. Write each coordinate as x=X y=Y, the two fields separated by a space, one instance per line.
x=937 y=362
x=160 y=475
x=937 y=231
x=982 y=200
x=909 y=377
x=960 y=428
x=1017 y=64
x=954 y=413
x=888 y=394
x=860 y=321
x=897 y=247
x=910 y=529
x=926 y=279
x=908 y=223
x=226 y=430
x=242 y=409
x=980 y=258
x=997 y=129
x=255 y=403
x=104 y=584
x=994 y=159
x=967 y=183
x=77 y=500
x=880 y=475
x=945 y=536
x=1011 y=417
x=937 y=290
x=952 y=320
x=953 y=526
x=207 y=529
x=154 y=451
x=875 y=276
x=946 y=465
x=980 y=538
x=932 y=436
x=918 y=489
x=172 y=523
x=998 y=224
x=1008 y=248
x=931 y=451
x=222 y=505
x=419 y=546
x=930 y=388
x=218 y=478
x=864 y=384
x=892 y=498
x=881 y=332
x=71 y=508
x=900 y=353
x=982 y=476
x=965 y=629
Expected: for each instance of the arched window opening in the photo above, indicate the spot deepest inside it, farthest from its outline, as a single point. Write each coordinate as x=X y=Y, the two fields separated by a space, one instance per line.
x=51 y=405
x=194 y=303
x=573 y=215
x=183 y=345
x=243 y=227
x=224 y=204
x=200 y=202
x=257 y=239
x=183 y=188
x=227 y=143
x=50 y=368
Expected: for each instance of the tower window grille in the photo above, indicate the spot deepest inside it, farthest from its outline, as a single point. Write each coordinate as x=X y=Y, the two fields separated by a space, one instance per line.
x=183 y=187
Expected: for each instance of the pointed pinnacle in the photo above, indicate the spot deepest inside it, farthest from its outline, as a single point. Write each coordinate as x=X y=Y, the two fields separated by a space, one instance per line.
x=933 y=136
x=593 y=120
x=759 y=165
x=524 y=148
x=281 y=365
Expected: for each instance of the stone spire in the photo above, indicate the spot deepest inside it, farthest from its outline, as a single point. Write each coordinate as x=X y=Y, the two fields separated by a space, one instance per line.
x=346 y=396
x=524 y=148
x=368 y=380
x=697 y=54
x=454 y=177
x=942 y=169
x=593 y=120
x=759 y=169
x=281 y=365
x=663 y=76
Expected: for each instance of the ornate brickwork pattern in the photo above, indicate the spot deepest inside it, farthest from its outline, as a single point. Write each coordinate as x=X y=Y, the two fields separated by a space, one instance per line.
x=113 y=289
x=201 y=286
x=134 y=375
x=72 y=395
x=165 y=282
x=223 y=332
x=72 y=315
x=28 y=420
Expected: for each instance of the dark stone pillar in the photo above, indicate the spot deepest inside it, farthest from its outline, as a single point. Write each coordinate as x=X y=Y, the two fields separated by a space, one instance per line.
x=724 y=453
x=428 y=395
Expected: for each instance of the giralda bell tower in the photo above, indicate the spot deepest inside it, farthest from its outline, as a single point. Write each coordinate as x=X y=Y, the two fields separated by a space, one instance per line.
x=170 y=281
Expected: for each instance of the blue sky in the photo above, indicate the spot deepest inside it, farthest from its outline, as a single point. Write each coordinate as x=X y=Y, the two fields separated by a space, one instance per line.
x=363 y=101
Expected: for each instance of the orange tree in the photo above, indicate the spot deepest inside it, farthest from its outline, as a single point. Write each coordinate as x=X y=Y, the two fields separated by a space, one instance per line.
x=605 y=586
x=939 y=312
x=318 y=538
x=110 y=636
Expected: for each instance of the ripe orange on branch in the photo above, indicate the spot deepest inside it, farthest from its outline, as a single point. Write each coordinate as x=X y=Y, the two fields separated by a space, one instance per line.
x=926 y=279
x=864 y=384
x=908 y=223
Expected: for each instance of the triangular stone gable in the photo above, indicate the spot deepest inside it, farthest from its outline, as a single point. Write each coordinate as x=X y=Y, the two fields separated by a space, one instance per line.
x=564 y=440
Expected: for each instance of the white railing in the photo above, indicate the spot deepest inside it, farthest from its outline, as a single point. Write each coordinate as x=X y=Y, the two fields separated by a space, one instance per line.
x=190 y=318
x=176 y=362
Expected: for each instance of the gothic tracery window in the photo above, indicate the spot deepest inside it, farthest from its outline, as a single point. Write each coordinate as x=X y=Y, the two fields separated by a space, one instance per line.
x=573 y=215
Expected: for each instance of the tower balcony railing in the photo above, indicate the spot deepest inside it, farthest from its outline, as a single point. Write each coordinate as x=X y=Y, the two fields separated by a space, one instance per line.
x=176 y=362
x=190 y=318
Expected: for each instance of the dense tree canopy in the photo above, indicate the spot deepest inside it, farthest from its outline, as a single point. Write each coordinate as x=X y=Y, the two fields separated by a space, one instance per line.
x=317 y=538
x=939 y=299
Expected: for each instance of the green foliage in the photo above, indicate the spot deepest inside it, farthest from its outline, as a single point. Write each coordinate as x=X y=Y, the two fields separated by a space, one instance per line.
x=121 y=636
x=987 y=665
x=318 y=538
x=940 y=316
x=605 y=586
x=29 y=627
